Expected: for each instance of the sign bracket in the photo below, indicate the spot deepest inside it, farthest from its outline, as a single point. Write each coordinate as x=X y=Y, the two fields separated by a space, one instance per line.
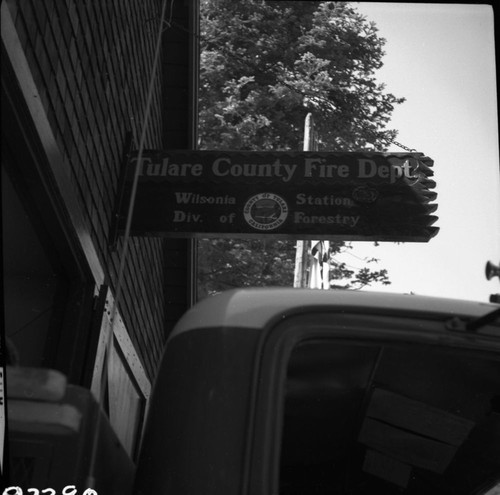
x=120 y=198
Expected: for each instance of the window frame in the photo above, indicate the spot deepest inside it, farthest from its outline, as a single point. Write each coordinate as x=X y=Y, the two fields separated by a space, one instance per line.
x=363 y=326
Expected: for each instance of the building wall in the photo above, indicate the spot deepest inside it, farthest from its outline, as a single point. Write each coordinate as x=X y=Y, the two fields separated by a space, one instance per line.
x=91 y=61
x=75 y=83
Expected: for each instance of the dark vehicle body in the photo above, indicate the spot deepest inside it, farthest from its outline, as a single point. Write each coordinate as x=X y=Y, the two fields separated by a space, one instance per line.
x=287 y=391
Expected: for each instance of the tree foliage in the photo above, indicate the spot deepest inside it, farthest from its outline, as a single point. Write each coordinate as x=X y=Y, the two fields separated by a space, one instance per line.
x=229 y=263
x=264 y=65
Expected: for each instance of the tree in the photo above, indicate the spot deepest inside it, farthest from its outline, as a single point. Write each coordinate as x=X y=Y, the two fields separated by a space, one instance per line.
x=264 y=65
x=229 y=263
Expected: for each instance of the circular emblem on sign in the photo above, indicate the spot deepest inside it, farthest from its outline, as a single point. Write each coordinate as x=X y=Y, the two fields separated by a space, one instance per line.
x=365 y=194
x=265 y=211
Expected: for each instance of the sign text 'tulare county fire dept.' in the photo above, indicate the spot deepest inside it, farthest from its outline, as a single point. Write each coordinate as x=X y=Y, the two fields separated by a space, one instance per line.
x=349 y=196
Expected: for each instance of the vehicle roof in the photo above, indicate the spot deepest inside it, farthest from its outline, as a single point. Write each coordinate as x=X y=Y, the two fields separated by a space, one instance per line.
x=256 y=307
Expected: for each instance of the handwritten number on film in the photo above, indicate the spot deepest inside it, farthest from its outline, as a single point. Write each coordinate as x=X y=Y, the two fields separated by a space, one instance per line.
x=67 y=490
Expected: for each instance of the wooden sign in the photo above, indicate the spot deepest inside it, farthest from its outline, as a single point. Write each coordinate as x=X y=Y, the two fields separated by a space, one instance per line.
x=298 y=195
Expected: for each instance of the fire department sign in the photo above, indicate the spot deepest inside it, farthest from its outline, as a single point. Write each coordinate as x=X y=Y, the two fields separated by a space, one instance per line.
x=350 y=196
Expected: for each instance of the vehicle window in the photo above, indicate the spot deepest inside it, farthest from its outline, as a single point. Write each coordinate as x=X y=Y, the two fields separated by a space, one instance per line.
x=362 y=419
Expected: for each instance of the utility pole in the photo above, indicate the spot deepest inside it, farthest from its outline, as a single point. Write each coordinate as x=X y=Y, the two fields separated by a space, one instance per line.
x=302 y=262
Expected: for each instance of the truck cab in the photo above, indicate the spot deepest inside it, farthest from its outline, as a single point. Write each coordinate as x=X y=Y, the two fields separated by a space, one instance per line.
x=291 y=391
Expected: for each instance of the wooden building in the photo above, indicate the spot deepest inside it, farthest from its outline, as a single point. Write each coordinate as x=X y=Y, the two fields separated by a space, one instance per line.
x=75 y=81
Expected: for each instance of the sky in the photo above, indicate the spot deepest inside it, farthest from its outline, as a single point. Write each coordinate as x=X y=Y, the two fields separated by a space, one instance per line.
x=441 y=58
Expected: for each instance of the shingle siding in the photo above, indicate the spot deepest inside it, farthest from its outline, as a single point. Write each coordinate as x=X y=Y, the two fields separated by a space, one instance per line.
x=91 y=62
